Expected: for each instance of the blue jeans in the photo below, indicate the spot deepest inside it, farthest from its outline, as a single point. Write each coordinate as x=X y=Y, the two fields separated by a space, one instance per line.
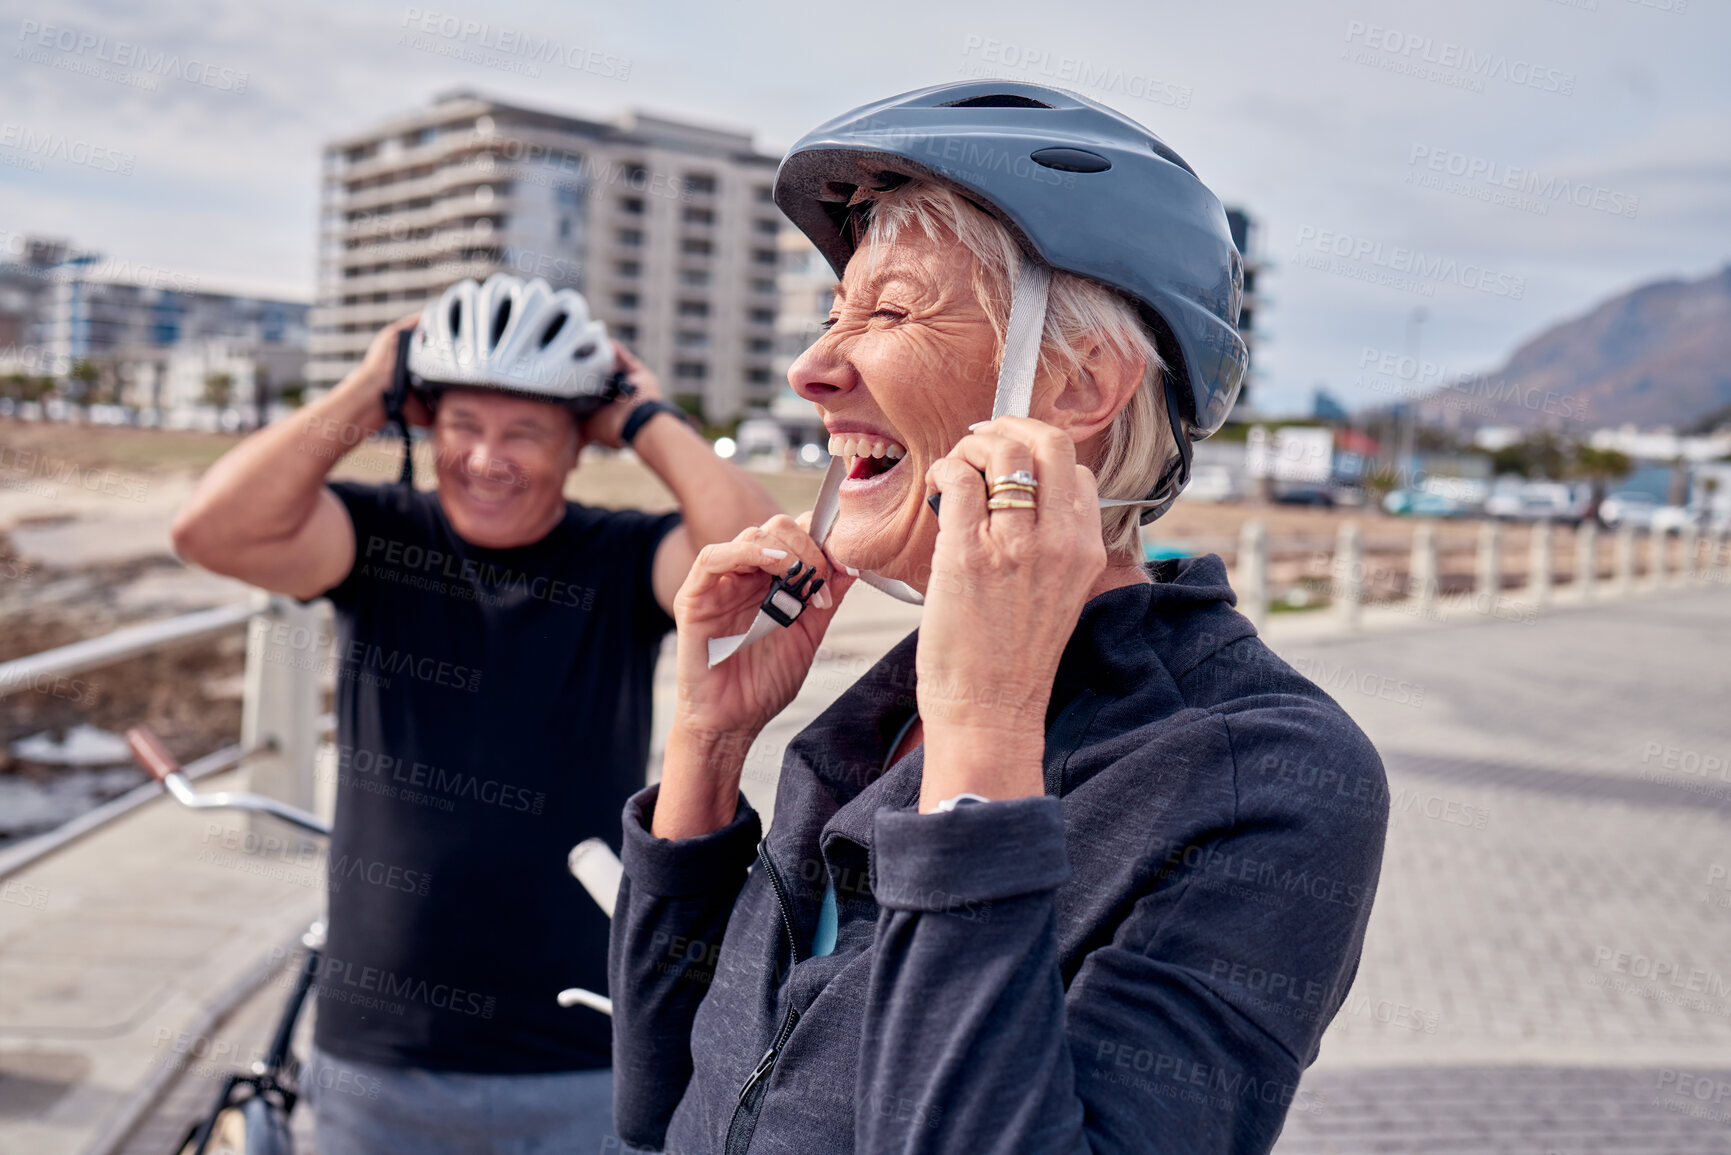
x=362 y=1109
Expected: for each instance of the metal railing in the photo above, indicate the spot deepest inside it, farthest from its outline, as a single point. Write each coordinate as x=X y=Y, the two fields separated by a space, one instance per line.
x=283 y=723
x=282 y=718
x=26 y=673
x=1701 y=558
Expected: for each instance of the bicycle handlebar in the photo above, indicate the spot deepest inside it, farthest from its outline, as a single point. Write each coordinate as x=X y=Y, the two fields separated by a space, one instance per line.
x=592 y=861
x=149 y=752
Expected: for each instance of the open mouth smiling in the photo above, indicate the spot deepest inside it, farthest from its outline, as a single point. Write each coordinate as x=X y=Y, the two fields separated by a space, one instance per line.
x=868 y=455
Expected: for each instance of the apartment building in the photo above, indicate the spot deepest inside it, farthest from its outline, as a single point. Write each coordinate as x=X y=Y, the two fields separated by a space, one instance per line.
x=163 y=343
x=667 y=228
x=1246 y=233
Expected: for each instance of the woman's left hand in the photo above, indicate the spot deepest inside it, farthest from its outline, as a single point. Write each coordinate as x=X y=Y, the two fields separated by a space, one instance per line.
x=1006 y=589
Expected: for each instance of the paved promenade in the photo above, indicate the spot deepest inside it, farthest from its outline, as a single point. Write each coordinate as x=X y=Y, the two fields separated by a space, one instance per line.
x=1549 y=963
x=1548 y=968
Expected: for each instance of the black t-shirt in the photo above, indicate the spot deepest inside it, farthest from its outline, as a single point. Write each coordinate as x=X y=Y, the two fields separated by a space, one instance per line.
x=493 y=710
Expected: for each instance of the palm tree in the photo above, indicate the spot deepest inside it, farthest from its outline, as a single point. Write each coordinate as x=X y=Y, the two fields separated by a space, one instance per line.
x=217 y=389
x=1599 y=466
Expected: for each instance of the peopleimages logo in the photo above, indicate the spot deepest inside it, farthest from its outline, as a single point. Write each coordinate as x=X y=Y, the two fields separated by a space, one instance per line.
x=1398 y=266
x=123 y=54
x=1074 y=70
x=59 y=146
x=1399 y=373
x=1447 y=62
x=514 y=42
x=1479 y=178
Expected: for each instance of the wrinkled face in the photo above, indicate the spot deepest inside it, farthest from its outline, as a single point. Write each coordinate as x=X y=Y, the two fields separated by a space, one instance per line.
x=502 y=463
x=908 y=363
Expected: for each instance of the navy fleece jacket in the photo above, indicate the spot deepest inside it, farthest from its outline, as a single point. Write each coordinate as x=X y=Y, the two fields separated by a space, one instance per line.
x=1142 y=961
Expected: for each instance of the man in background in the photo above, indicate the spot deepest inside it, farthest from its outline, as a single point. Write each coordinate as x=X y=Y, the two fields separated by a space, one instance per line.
x=497 y=646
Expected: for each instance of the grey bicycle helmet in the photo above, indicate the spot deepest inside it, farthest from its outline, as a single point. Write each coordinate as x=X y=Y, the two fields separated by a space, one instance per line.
x=1082 y=188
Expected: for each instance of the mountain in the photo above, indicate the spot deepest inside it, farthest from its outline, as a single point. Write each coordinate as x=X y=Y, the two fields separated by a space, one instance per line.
x=1659 y=354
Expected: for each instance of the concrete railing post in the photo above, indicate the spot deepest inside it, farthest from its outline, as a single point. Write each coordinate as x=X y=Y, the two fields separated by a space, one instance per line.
x=1539 y=564
x=1490 y=570
x=1421 y=582
x=1625 y=559
x=1253 y=572
x=1586 y=558
x=1688 y=567
x=1348 y=589
x=286 y=648
x=1657 y=542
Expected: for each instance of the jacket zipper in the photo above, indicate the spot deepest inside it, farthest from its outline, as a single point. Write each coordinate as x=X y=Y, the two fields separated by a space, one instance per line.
x=781 y=901
x=744 y=1122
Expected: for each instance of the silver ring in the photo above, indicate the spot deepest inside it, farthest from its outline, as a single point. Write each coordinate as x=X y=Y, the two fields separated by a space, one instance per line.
x=1020 y=477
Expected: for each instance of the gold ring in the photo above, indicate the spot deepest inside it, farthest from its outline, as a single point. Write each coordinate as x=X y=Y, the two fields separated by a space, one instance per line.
x=1009 y=503
x=1001 y=486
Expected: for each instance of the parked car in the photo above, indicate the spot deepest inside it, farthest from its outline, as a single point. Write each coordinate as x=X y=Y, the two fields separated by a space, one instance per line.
x=1629 y=507
x=1537 y=501
x=1419 y=503
x=1211 y=483
x=1673 y=519
x=1300 y=494
x=1346 y=495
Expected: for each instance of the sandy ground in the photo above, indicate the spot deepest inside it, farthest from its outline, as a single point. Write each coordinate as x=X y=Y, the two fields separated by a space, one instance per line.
x=84 y=549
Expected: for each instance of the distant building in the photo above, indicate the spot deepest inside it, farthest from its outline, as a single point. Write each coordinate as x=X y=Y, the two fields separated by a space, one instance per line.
x=27 y=280
x=1245 y=230
x=1324 y=407
x=1663 y=444
x=667 y=228
x=806 y=285
x=142 y=336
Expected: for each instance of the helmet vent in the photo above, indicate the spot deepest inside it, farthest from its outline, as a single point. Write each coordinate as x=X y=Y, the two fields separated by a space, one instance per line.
x=501 y=318
x=1159 y=149
x=455 y=320
x=584 y=351
x=552 y=330
x=996 y=100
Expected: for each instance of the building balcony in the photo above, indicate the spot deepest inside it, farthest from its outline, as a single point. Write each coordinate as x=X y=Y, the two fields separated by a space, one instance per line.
x=437 y=274
x=441 y=213
x=440 y=148
x=438 y=184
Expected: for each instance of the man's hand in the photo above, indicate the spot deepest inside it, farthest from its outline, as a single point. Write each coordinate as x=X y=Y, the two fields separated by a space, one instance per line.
x=606 y=426
x=372 y=377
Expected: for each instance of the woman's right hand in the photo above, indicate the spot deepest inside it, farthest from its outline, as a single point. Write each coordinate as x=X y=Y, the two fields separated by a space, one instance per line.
x=719 y=712
x=720 y=597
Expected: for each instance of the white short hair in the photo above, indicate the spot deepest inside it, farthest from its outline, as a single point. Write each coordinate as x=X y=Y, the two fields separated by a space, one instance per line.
x=1079 y=313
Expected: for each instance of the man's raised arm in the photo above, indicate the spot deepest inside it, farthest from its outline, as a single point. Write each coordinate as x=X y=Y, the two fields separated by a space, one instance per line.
x=262 y=513
x=717 y=498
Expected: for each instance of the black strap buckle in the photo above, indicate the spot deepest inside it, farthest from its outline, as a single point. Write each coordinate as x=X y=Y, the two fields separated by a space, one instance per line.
x=617 y=386
x=396 y=398
x=788 y=595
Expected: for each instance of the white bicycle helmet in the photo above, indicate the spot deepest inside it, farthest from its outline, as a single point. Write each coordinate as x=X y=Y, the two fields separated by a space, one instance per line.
x=519 y=337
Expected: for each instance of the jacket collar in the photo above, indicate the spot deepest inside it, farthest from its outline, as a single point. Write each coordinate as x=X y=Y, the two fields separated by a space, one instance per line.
x=832 y=775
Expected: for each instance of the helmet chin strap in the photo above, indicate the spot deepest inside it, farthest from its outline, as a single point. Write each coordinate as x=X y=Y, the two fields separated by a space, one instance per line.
x=1014 y=397
x=1015 y=393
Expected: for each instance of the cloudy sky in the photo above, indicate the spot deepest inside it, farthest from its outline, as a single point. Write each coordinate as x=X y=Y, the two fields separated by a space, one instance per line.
x=1499 y=164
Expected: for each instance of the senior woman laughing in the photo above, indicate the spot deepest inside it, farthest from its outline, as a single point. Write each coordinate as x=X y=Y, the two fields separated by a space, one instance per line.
x=1052 y=875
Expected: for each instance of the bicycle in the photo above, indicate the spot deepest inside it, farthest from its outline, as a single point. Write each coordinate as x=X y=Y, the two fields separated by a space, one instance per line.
x=251 y=1113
